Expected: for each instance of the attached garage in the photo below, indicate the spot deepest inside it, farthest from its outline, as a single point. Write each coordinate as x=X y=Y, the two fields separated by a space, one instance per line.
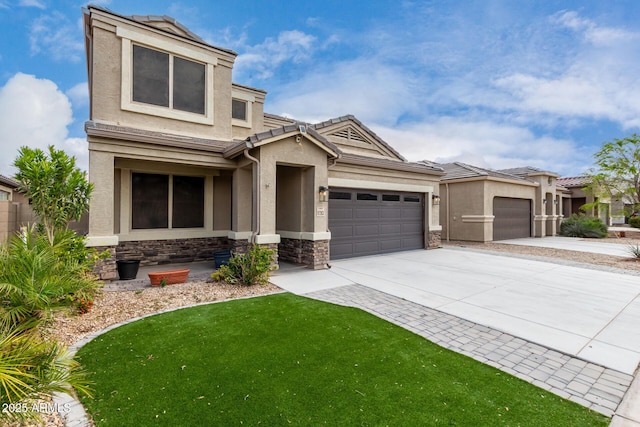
x=512 y=218
x=365 y=222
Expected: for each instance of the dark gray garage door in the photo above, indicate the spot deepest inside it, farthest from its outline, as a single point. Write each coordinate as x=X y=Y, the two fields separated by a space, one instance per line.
x=366 y=222
x=512 y=218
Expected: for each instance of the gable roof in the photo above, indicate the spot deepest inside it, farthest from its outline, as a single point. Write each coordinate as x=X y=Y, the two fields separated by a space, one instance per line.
x=282 y=132
x=353 y=137
x=459 y=170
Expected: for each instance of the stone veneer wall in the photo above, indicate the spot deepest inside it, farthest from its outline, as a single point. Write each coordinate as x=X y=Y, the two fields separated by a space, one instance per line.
x=313 y=254
x=435 y=239
x=170 y=251
x=106 y=269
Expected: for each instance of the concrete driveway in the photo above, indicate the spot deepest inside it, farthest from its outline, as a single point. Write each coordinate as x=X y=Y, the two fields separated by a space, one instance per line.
x=591 y=314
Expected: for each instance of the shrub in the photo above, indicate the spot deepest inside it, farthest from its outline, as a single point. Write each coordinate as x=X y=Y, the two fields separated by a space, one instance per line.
x=580 y=225
x=634 y=250
x=634 y=221
x=37 y=278
x=248 y=269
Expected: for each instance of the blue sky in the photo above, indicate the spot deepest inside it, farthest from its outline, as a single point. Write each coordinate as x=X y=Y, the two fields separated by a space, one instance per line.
x=494 y=83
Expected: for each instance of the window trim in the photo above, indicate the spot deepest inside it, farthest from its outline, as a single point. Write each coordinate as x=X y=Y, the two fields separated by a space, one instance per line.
x=249 y=99
x=126 y=101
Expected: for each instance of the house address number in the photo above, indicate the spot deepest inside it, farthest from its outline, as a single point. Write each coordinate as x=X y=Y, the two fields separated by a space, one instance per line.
x=320 y=212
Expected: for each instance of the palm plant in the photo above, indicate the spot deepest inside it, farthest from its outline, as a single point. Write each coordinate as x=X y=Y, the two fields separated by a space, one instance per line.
x=36 y=279
x=32 y=369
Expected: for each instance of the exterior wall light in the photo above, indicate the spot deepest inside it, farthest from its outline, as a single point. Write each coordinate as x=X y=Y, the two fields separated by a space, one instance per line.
x=435 y=199
x=323 y=193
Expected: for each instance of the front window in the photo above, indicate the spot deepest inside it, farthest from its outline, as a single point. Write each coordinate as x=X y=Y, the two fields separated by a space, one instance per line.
x=4 y=195
x=153 y=83
x=154 y=206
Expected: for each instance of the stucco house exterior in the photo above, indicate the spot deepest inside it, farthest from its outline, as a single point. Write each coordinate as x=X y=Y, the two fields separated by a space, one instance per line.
x=483 y=205
x=611 y=212
x=14 y=208
x=185 y=162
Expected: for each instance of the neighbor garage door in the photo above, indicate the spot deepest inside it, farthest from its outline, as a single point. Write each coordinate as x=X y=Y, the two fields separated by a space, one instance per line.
x=366 y=222
x=512 y=218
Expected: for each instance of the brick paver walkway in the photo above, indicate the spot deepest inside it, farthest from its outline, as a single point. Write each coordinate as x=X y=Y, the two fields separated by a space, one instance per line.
x=590 y=385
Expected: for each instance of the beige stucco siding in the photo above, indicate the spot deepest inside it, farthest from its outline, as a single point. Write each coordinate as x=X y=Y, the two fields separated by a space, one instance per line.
x=312 y=161
x=107 y=89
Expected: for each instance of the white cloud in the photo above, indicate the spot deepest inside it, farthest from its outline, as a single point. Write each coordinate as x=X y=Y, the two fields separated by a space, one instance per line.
x=482 y=143
x=32 y=3
x=35 y=113
x=79 y=94
x=366 y=88
x=264 y=58
x=57 y=36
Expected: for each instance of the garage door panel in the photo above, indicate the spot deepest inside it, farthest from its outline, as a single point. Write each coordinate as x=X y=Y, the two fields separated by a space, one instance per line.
x=366 y=213
x=377 y=222
x=341 y=212
x=390 y=213
x=390 y=228
x=342 y=231
x=391 y=245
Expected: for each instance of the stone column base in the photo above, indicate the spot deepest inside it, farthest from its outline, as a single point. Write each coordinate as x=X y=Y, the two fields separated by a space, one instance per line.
x=313 y=254
x=435 y=239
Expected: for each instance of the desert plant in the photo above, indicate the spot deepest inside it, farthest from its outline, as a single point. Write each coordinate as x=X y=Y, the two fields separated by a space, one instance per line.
x=37 y=278
x=634 y=250
x=250 y=268
x=59 y=192
x=31 y=369
x=580 y=225
x=634 y=221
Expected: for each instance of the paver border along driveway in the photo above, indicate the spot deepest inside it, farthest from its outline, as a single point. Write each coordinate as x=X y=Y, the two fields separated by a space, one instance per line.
x=582 y=312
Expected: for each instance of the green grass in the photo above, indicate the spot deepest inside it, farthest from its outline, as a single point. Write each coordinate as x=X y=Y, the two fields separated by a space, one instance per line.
x=287 y=360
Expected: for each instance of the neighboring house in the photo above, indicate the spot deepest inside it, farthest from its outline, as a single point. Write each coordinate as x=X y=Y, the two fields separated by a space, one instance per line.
x=14 y=208
x=611 y=212
x=478 y=204
x=185 y=162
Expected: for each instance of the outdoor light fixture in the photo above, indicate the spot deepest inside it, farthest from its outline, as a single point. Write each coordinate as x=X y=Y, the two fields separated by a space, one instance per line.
x=544 y=201
x=555 y=202
x=323 y=193
x=435 y=199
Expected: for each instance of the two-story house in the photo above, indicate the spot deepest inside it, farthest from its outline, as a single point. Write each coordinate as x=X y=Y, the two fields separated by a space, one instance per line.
x=186 y=162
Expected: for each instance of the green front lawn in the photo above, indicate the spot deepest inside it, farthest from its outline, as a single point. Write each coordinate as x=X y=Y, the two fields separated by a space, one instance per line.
x=283 y=359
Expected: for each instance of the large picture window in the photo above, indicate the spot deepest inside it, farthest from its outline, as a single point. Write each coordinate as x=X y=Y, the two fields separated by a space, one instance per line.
x=153 y=204
x=168 y=81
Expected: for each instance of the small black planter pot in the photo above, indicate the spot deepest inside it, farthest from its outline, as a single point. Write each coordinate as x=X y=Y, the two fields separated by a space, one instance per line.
x=128 y=268
x=221 y=258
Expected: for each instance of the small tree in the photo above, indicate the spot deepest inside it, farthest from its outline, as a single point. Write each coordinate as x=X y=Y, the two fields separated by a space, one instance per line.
x=617 y=172
x=59 y=191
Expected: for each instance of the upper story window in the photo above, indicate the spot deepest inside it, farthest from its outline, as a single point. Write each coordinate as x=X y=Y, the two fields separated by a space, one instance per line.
x=239 y=109
x=167 y=80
